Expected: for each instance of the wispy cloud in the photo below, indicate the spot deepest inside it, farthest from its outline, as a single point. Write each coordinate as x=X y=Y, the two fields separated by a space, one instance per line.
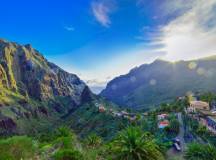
x=69 y=28
x=96 y=82
x=178 y=7
x=167 y=7
x=191 y=35
x=102 y=10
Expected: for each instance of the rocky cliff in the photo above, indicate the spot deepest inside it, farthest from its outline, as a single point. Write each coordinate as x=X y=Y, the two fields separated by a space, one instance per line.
x=31 y=87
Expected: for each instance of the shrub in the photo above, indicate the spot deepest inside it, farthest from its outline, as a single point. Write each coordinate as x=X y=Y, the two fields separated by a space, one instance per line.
x=68 y=154
x=65 y=142
x=133 y=143
x=200 y=152
x=65 y=138
x=17 y=147
x=64 y=132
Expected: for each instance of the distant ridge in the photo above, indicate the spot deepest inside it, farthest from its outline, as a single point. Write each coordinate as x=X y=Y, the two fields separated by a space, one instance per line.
x=161 y=81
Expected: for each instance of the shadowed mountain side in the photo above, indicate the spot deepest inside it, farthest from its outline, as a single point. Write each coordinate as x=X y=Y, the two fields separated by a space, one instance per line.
x=161 y=81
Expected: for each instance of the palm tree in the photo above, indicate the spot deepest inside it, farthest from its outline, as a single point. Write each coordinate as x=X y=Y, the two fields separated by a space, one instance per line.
x=64 y=132
x=93 y=141
x=133 y=144
x=198 y=151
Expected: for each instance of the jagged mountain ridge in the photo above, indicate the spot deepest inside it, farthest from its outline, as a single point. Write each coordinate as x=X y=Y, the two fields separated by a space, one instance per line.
x=161 y=81
x=34 y=91
x=24 y=69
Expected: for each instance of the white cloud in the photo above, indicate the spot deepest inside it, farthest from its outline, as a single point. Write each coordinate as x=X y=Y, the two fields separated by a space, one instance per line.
x=102 y=10
x=69 y=28
x=191 y=35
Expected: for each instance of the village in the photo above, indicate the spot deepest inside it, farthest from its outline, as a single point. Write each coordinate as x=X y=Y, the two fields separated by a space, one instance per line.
x=114 y=113
x=201 y=112
x=204 y=113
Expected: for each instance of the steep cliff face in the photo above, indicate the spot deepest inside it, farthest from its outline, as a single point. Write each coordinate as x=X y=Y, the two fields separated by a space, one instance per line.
x=24 y=70
x=31 y=87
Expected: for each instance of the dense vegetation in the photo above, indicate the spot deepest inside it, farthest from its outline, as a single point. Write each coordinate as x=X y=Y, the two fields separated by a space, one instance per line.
x=40 y=104
x=100 y=136
x=200 y=151
x=132 y=143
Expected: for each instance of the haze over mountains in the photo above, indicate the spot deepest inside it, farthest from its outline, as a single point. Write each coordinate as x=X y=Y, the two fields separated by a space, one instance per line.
x=161 y=81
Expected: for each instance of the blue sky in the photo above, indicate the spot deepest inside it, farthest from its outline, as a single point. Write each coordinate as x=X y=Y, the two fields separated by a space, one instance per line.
x=101 y=39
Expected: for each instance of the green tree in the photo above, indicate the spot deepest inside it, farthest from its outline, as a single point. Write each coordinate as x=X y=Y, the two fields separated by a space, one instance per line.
x=64 y=132
x=198 y=151
x=133 y=144
x=65 y=137
x=201 y=130
x=208 y=97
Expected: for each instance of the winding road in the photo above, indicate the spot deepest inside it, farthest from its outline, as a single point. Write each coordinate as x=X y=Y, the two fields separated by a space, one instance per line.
x=172 y=153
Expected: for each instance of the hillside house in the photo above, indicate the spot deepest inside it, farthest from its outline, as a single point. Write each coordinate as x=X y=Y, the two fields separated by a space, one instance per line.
x=213 y=106
x=163 y=124
x=162 y=120
x=211 y=122
x=198 y=105
x=203 y=114
x=97 y=105
x=117 y=114
x=102 y=109
x=133 y=118
x=124 y=113
x=180 y=98
x=162 y=116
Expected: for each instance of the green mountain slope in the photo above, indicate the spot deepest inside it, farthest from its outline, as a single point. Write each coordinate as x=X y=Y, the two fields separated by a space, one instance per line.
x=36 y=95
x=160 y=81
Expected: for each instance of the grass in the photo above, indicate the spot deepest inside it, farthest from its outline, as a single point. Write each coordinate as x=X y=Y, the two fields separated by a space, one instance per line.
x=17 y=147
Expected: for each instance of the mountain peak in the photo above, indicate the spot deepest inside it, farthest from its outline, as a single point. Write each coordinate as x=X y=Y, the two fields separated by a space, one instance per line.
x=161 y=81
x=159 y=60
x=33 y=71
x=3 y=40
x=29 y=46
x=33 y=88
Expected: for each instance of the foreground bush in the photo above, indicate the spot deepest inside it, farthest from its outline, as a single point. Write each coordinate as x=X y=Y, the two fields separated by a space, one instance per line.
x=68 y=154
x=17 y=147
x=134 y=144
x=198 y=151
